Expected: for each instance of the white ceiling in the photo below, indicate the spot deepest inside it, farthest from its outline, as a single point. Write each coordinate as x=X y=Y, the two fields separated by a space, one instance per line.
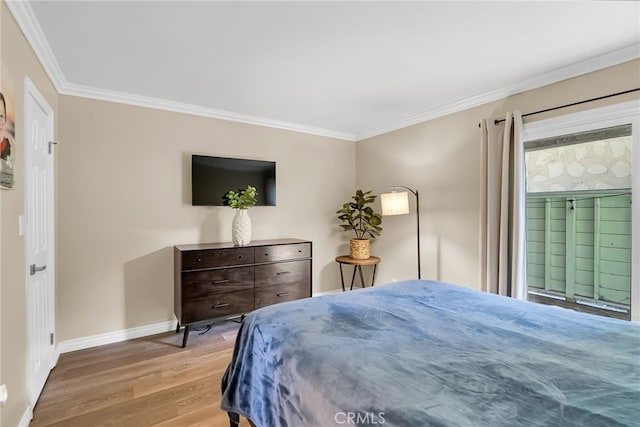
x=344 y=69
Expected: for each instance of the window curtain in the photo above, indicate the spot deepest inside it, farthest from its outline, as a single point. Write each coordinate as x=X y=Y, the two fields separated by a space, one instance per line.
x=503 y=208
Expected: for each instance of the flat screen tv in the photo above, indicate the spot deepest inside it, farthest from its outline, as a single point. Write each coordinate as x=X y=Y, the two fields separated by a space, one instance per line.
x=213 y=177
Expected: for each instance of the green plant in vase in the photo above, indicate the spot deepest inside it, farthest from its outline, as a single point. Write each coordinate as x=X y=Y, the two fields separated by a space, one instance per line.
x=360 y=218
x=241 y=201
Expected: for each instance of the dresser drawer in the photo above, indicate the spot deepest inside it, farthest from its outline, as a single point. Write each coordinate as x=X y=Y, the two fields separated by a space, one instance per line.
x=282 y=273
x=216 y=305
x=212 y=258
x=283 y=252
x=199 y=283
x=269 y=295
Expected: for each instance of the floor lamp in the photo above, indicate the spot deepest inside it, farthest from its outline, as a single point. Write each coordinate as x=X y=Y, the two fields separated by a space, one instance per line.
x=397 y=203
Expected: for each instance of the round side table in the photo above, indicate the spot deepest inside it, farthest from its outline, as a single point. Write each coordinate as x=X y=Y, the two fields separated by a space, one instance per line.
x=357 y=266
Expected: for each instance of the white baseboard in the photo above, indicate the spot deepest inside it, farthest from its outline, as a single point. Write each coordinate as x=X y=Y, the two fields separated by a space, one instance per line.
x=25 y=420
x=115 y=336
x=335 y=291
x=129 y=334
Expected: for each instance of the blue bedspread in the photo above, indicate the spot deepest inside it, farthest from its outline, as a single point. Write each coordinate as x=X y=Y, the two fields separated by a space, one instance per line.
x=424 y=353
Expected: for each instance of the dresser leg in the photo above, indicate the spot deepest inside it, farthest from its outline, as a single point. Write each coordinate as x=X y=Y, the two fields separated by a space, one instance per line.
x=185 y=337
x=234 y=419
x=178 y=327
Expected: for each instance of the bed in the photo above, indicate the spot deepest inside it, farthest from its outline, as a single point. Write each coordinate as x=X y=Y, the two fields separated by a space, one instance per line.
x=427 y=353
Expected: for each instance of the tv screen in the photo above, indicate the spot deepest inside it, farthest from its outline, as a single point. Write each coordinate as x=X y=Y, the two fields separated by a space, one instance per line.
x=213 y=177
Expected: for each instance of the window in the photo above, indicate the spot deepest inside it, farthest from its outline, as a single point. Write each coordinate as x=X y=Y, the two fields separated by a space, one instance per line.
x=580 y=187
x=579 y=219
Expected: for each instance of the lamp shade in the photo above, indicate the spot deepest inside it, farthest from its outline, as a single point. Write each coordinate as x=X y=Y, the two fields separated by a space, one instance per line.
x=395 y=203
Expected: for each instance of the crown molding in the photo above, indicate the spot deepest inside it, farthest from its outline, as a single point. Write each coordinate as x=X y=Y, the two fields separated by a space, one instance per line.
x=28 y=23
x=177 y=107
x=609 y=59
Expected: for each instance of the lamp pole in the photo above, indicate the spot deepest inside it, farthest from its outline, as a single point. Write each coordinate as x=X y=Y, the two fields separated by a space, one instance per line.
x=415 y=193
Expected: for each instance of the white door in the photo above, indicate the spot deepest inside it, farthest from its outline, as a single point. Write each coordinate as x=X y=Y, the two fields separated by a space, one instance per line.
x=41 y=352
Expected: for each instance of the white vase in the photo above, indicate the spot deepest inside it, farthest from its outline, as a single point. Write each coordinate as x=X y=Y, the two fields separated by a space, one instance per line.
x=241 y=228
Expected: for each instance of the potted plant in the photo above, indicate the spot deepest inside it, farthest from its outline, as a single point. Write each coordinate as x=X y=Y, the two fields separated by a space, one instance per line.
x=241 y=224
x=363 y=221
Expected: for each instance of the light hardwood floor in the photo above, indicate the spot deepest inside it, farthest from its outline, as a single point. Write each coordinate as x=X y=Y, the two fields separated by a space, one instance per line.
x=150 y=381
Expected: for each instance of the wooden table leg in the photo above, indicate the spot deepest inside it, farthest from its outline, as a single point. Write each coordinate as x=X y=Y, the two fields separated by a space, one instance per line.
x=341 y=276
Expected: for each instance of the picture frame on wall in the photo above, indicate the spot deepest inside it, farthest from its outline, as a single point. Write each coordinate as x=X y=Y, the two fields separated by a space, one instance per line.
x=7 y=140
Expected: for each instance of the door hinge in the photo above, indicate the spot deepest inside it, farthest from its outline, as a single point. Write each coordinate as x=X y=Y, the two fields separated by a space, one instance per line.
x=51 y=338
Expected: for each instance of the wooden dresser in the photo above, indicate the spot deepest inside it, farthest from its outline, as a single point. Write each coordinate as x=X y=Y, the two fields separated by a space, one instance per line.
x=219 y=281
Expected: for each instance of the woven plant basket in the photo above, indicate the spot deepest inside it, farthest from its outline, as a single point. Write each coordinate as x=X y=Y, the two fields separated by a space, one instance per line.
x=360 y=248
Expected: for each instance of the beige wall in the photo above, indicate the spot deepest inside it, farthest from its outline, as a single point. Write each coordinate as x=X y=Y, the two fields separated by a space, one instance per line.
x=20 y=61
x=124 y=201
x=441 y=158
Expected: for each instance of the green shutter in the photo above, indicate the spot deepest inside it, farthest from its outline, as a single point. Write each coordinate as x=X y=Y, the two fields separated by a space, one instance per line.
x=536 y=227
x=614 y=261
x=579 y=244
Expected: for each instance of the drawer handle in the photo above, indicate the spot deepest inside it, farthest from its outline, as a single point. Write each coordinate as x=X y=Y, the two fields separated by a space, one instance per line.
x=281 y=294
x=282 y=272
x=266 y=254
x=239 y=256
x=219 y=282
x=224 y=304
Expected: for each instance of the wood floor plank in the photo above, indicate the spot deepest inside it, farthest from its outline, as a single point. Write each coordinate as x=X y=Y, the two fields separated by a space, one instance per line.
x=150 y=381
x=184 y=372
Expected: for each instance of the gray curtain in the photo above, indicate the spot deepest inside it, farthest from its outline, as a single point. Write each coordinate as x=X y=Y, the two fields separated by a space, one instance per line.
x=503 y=208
